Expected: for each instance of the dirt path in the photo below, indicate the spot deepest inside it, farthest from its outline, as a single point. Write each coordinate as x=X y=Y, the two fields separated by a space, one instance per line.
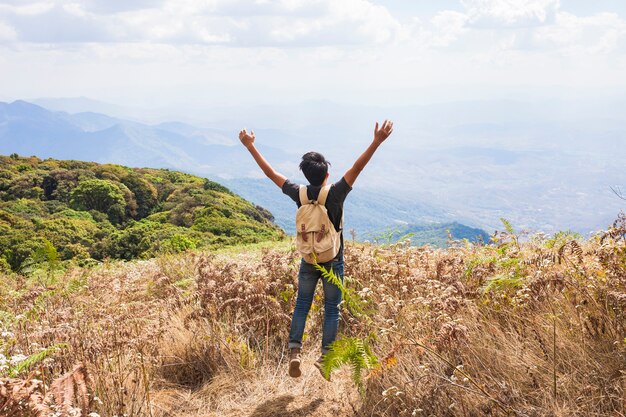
x=266 y=393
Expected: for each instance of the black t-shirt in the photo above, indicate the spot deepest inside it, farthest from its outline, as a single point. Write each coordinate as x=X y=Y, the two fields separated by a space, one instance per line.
x=334 y=202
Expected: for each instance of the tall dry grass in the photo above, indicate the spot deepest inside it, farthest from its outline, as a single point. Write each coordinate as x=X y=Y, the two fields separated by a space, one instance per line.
x=532 y=326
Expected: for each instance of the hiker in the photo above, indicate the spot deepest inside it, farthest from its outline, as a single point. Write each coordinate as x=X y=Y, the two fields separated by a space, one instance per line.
x=331 y=197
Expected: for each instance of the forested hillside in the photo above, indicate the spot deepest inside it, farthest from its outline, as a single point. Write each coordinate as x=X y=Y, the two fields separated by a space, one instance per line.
x=84 y=211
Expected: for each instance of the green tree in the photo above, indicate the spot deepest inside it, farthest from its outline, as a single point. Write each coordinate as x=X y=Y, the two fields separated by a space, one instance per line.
x=145 y=194
x=100 y=195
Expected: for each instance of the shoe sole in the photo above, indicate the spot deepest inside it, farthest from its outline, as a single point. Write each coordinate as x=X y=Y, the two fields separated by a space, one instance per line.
x=294 y=368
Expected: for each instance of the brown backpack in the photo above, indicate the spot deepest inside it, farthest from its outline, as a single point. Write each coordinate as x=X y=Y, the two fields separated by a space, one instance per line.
x=316 y=237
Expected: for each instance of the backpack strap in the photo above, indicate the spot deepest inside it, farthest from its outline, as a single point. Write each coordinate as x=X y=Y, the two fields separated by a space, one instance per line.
x=304 y=199
x=321 y=198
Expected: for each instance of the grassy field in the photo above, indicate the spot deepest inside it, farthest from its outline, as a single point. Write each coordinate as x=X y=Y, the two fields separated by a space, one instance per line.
x=526 y=326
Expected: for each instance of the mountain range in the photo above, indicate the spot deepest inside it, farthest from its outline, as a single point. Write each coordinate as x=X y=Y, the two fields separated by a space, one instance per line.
x=547 y=165
x=28 y=129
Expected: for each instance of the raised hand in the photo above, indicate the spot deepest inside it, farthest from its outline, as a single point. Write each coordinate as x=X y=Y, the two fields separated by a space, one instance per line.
x=246 y=138
x=383 y=133
x=380 y=135
x=248 y=141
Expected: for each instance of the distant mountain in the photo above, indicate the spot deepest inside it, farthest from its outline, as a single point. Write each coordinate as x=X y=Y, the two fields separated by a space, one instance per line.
x=28 y=129
x=365 y=211
x=546 y=165
x=374 y=216
x=86 y=105
x=434 y=234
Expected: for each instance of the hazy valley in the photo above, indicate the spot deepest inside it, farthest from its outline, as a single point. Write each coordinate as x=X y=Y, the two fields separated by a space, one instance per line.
x=540 y=165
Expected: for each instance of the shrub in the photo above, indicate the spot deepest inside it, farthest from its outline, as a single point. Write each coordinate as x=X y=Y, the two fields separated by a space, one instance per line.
x=178 y=243
x=102 y=196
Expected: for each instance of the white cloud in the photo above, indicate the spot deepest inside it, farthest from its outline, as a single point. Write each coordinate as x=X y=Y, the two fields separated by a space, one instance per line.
x=347 y=21
x=440 y=31
x=238 y=49
x=293 y=8
x=7 y=32
x=52 y=24
x=258 y=23
x=111 y=6
x=490 y=27
x=510 y=13
x=600 y=33
x=29 y=9
x=448 y=27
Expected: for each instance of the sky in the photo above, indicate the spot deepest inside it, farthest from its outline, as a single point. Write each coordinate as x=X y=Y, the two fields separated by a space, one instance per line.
x=380 y=52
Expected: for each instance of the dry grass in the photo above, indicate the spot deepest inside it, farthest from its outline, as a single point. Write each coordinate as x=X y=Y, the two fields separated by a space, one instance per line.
x=534 y=328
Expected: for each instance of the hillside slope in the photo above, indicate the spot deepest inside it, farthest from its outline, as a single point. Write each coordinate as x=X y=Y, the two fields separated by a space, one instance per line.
x=92 y=211
x=533 y=328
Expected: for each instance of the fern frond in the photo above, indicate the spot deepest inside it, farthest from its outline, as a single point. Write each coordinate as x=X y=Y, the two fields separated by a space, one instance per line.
x=352 y=301
x=353 y=352
x=71 y=390
x=476 y=261
x=35 y=359
x=507 y=226
x=502 y=282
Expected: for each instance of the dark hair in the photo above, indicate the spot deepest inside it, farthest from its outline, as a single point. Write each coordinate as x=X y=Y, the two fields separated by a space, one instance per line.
x=314 y=167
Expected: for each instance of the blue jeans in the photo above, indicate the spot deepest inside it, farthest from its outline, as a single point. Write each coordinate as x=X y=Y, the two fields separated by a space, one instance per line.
x=307 y=281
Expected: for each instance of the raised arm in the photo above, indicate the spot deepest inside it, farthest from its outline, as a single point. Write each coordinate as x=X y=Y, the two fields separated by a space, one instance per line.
x=380 y=135
x=247 y=139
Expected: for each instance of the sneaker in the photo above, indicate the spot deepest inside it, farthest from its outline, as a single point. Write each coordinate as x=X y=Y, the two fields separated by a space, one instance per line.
x=318 y=365
x=294 y=362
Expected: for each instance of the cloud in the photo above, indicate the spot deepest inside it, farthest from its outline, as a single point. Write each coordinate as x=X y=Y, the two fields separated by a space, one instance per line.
x=293 y=8
x=448 y=26
x=348 y=21
x=489 y=27
x=569 y=36
x=111 y=7
x=510 y=13
x=212 y=22
x=51 y=24
x=227 y=49
x=482 y=22
x=598 y=34
x=276 y=23
x=29 y=9
x=7 y=32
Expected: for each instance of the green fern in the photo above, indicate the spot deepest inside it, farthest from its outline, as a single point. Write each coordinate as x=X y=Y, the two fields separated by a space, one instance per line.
x=560 y=238
x=352 y=301
x=475 y=261
x=508 y=226
x=502 y=282
x=350 y=351
x=34 y=359
x=74 y=285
